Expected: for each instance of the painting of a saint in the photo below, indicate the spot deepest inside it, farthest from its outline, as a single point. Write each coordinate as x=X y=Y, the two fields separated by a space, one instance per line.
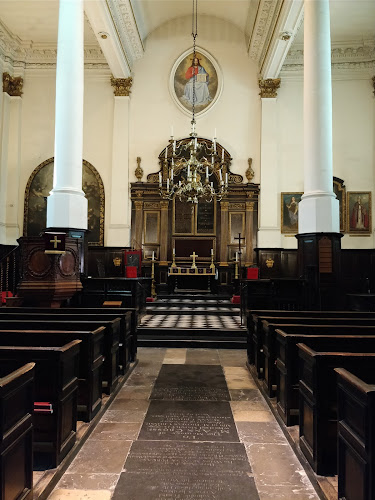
x=359 y=217
x=289 y=212
x=198 y=71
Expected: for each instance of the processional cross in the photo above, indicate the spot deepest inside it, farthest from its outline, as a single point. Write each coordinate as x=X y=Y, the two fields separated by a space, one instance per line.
x=239 y=246
x=194 y=256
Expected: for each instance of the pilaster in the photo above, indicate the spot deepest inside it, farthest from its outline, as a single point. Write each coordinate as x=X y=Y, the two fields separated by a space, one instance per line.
x=224 y=230
x=164 y=207
x=11 y=121
x=118 y=231
x=269 y=222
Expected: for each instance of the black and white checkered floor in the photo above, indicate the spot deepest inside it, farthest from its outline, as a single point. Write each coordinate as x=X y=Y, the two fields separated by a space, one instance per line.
x=202 y=308
x=185 y=321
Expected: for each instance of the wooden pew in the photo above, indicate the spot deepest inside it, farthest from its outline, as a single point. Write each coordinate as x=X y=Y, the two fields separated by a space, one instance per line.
x=356 y=436
x=128 y=338
x=90 y=360
x=56 y=383
x=269 y=355
x=318 y=402
x=111 y=339
x=254 y=319
x=287 y=366
x=16 y=427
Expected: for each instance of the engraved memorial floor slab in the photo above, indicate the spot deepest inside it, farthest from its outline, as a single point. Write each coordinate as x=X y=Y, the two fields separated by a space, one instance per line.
x=189 y=421
x=193 y=458
x=137 y=486
x=191 y=383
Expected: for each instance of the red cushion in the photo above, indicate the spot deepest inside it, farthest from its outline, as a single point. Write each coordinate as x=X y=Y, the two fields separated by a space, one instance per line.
x=236 y=299
x=131 y=272
x=4 y=295
x=252 y=273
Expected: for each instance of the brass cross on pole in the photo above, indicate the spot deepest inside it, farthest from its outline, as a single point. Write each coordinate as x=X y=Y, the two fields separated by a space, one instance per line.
x=55 y=242
x=239 y=249
x=194 y=255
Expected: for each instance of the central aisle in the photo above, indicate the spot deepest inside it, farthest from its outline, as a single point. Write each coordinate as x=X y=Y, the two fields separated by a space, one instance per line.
x=188 y=424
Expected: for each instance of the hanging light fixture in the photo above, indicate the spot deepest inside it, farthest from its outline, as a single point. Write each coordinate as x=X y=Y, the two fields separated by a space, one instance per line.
x=194 y=168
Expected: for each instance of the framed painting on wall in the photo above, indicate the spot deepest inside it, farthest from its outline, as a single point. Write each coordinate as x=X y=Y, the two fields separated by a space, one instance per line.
x=289 y=212
x=208 y=81
x=359 y=212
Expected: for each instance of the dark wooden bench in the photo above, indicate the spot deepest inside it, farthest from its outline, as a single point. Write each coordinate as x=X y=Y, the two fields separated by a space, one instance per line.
x=111 y=338
x=318 y=402
x=55 y=397
x=254 y=318
x=16 y=431
x=287 y=366
x=269 y=356
x=129 y=325
x=356 y=436
x=90 y=360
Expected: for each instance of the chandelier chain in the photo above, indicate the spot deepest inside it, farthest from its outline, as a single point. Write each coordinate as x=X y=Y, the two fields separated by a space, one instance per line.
x=194 y=34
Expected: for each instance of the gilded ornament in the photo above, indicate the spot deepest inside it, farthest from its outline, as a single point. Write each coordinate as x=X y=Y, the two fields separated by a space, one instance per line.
x=138 y=205
x=12 y=85
x=139 y=170
x=122 y=86
x=250 y=206
x=270 y=263
x=269 y=87
x=224 y=206
x=250 y=172
x=117 y=262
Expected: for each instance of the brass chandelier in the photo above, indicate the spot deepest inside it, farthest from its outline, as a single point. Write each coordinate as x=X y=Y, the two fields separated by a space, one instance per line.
x=193 y=168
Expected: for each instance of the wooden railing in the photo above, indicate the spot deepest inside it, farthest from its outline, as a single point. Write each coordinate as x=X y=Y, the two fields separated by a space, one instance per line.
x=9 y=274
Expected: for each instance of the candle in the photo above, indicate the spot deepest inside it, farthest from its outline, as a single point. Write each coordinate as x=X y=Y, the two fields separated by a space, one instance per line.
x=188 y=171
x=212 y=160
x=174 y=251
x=212 y=185
x=172 y=174
x=166 y=152
x=196 y=143
x=226 y=178
x=222 y=154
x=214 y=145
x=160 y=179
x=236 y=256
x=220 y=175
x=212 y=251
x=174 y=147
x=206 y=172
x=153 y=255
x=167 y=184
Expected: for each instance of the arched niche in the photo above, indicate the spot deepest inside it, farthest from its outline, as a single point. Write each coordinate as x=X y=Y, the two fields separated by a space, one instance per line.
x=38 y=188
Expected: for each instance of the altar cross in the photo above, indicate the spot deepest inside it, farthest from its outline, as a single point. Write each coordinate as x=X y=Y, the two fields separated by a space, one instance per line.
x=194 y=255
x=239 y=243
x=55 y=242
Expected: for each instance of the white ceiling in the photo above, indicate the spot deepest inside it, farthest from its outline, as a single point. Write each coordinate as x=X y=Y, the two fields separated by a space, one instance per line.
x=36 y=20
x=351 y=20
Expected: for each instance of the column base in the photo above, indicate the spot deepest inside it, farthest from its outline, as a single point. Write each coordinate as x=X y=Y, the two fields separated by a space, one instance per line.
x=319 y=214
x=67 y=210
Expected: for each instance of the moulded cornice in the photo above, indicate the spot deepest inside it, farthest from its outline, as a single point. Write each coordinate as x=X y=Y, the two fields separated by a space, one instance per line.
x=348 y=56
x=265 y=21
x=126 y=26
x=25 y=54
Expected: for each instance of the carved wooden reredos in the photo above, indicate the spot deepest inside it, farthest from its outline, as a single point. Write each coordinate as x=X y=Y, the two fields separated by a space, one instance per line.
x=160 y=225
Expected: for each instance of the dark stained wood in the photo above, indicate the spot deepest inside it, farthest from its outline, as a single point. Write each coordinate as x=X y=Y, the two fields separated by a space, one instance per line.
x=356 y=436
x=318 y=402
x=287 y=368
x=16 y=451
x=111 y=339
x=269 y=340
x=90 y=361
x=56 y=382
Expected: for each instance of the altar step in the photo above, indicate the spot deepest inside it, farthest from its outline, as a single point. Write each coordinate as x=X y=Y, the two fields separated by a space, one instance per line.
x=192 y=330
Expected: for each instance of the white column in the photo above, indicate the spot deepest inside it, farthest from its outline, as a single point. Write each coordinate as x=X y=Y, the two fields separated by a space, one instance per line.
x=67 y=205
x=269 y=202
x=118 y=231
x=319 y=208
x=10 y=166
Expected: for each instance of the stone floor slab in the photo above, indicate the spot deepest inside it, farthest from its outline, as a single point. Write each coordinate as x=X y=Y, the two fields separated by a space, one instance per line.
x=108 y=458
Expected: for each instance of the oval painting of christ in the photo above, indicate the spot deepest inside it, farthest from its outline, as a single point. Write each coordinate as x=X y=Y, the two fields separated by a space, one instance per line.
x=201 y=71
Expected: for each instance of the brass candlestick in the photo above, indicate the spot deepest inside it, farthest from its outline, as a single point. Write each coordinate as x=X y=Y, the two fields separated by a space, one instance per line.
x=173 y=259
x=153 y=288
x=236 y=269
x=212 y=266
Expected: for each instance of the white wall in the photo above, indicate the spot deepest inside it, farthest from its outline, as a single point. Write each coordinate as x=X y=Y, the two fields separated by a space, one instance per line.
x=235 y=115
x=353 y=142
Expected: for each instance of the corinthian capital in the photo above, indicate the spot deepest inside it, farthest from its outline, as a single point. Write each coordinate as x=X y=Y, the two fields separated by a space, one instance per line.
x=12 y=85
x=268 y=88
x=122 y=86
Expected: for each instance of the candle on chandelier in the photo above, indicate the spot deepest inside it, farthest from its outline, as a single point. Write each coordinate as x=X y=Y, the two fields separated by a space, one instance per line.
x=166 y=152
x=188 y=171
x=212 y=160
x=226 y=178
x=167 y=184
x=222 y=154
x=206 y=172
x=172 y=174
x=174 y=147
x=160 y=179
x=196 y=143
x=220 y=175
